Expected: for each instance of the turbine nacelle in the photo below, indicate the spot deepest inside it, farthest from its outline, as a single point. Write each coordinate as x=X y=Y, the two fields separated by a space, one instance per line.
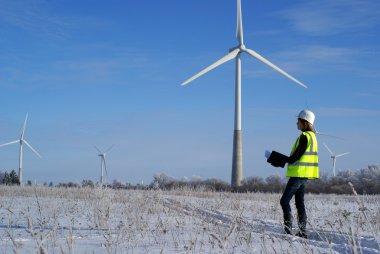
x=241 y=47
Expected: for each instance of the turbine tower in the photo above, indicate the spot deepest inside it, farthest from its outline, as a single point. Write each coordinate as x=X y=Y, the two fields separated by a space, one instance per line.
x=237 y=157
x=103 y=165
x=21 y=141
x=334 y=156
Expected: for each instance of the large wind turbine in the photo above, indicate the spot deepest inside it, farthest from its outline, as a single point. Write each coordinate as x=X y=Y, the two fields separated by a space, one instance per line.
x=21 y=141
x=334 y=156
x=237 y=158
x=103 y=165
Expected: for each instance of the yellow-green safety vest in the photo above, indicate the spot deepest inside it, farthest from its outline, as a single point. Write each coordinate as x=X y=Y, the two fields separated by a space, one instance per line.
x=307 y=165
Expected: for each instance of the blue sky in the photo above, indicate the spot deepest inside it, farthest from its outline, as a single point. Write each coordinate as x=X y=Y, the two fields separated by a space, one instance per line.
x=102 y=73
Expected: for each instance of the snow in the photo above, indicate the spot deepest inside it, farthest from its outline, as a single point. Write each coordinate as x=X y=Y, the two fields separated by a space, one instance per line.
x=84 y=220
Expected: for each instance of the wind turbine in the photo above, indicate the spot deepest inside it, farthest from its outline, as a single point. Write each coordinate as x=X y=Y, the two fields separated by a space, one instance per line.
x=21 y=141
x=237 y=157
x=334 y=156
x=103 y=165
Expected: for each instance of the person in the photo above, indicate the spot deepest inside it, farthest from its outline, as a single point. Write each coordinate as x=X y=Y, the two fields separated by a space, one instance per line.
x=302 y=165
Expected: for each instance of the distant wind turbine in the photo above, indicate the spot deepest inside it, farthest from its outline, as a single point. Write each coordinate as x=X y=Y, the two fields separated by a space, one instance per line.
x=103 y=165
x=21 y=141
x=237 y=157
x=334 y=156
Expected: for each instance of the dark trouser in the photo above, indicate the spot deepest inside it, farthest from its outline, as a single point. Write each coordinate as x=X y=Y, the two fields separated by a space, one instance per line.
x=295 y=186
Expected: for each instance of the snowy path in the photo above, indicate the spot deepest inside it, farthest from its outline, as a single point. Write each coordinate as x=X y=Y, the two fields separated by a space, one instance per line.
x=338 y=242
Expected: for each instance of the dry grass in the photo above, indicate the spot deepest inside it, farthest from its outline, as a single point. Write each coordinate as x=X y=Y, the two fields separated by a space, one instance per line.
x=84 y=220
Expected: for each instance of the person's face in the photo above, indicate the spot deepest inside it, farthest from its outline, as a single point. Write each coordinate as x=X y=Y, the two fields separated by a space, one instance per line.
x=299 y=125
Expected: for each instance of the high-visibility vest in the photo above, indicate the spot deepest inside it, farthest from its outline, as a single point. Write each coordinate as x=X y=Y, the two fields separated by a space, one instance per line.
x=307 y=165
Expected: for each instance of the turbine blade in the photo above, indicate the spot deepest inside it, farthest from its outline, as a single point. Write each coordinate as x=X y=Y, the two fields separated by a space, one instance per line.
x=239 y=27
x=224 y=59
x=328 y=149
x=9 y=143
x=342 y=154
x=328 y=135
x=97 y=149
x=31 y=148
x=331 y=136
x=262 y=59
x=109 y=149
x=24 y=126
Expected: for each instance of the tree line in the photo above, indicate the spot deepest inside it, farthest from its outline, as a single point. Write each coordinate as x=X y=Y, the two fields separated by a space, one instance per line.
x=9 y=178
x=365 y=181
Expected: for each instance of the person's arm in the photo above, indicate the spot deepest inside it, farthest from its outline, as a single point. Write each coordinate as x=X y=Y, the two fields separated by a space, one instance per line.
x=299 y=151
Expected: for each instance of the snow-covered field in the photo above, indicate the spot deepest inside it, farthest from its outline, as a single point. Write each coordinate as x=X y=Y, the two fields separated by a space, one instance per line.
x=54 y=220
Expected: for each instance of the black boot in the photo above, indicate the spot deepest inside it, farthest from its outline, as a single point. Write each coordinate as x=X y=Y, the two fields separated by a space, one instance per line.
x=302 y=225
x=301 y=234
x=288 y=226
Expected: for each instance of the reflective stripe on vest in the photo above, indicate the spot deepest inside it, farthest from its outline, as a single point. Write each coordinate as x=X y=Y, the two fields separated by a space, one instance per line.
x=307 y=165
x=310 y=153
x=298 y=163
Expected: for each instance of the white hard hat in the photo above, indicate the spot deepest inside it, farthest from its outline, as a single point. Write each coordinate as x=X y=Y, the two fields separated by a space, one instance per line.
x=307 y=115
